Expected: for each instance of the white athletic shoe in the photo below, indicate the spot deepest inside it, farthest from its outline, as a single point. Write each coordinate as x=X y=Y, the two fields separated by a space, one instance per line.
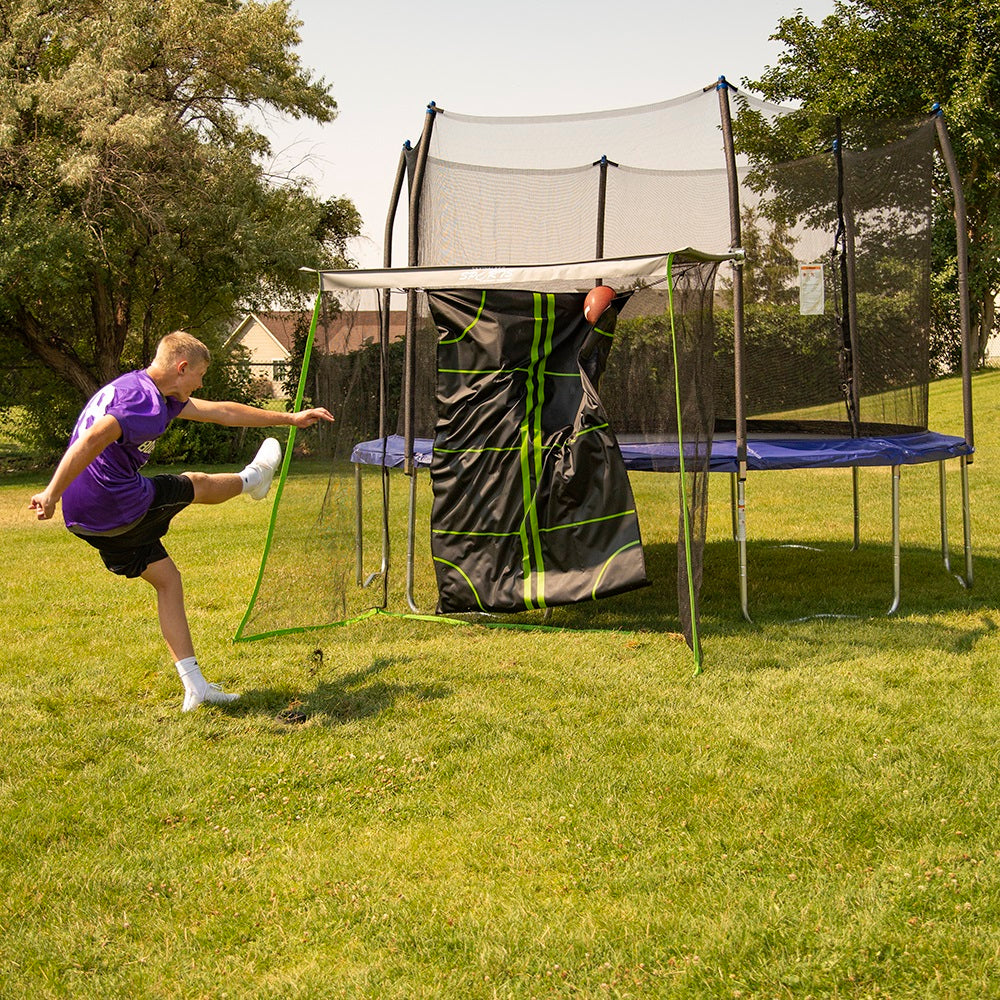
x=213 y=694
x=266 y=462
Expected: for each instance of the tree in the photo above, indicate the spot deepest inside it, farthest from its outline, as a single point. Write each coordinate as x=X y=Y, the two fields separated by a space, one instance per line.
x=896 y=59
x=133 y=196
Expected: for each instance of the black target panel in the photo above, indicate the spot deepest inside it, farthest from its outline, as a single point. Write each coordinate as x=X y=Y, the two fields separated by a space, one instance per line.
x=532 y=503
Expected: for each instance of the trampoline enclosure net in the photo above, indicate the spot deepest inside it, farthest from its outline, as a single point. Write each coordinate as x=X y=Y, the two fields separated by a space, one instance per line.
x=527 y=190
x=859 y=366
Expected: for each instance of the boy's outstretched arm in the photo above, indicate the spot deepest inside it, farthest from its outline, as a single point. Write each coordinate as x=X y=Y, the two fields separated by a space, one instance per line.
x=240 y=415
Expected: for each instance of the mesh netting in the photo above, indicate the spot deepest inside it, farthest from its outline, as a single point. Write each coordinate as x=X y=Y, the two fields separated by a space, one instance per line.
x=653 y=401
x=326 y=545
x=501 y=192
x=864 y=217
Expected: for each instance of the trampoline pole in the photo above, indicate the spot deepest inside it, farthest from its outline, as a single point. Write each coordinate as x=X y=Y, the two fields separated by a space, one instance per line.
x=849 y=291
x=413 y=251
x=383 y=390
x=736 y=238
x=732 y=505
x=895 y=540
x=965 y=322
x=359 y=557
x=855 y=476
x=383 y=570
x=411 y=535
x=943 y=501
x=602 y=205
x=962 y=253
x=966 y=522
x=741 y=544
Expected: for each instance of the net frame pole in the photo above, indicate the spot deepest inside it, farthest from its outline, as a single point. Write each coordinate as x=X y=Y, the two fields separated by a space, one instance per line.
x=723 y=87
x=962 y=251
x=850 y=293
x=602 y=205
x=397 y=191
x=383 y=393
x=965 y=327
x=845 y=218
x=736 y=238
x=413 y=259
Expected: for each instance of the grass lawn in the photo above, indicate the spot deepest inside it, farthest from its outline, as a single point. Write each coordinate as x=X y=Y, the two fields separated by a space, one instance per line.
x=478 y=813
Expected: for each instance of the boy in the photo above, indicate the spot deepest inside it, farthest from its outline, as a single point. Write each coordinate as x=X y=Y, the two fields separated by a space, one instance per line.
x=123 y=514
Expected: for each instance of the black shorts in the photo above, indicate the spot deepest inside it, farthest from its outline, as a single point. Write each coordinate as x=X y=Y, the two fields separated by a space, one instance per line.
x=129 y=552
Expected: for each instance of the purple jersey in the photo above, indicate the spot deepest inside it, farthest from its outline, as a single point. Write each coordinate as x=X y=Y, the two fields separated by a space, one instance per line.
x=110 y=492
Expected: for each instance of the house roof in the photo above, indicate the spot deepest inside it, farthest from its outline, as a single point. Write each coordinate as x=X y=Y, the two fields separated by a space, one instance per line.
x=341 y=334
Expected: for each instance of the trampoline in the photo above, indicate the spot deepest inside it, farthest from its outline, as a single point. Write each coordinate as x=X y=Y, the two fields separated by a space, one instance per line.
x=798 y=338
x=765 y=452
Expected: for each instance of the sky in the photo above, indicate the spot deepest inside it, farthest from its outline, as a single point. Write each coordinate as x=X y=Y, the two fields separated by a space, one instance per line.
x=385 y=61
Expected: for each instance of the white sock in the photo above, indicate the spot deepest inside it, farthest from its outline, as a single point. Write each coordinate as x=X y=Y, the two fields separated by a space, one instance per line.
x=190 y=674
x=251 y=477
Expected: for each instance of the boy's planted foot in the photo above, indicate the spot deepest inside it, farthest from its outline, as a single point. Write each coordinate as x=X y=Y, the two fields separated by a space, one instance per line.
x=211 y=693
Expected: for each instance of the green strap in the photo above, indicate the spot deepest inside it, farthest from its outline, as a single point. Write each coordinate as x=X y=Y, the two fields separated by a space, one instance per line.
x=680 y=448
x=532 y=453
x=299 y=396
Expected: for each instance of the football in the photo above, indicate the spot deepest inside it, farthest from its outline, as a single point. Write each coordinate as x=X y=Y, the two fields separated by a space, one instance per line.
x=598 y=299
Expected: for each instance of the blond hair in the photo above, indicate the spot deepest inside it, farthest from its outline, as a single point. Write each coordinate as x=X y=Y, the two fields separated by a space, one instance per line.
x=180 y=346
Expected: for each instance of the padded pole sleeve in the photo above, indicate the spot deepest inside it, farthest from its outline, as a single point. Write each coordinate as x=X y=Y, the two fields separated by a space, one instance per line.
x=962 y=243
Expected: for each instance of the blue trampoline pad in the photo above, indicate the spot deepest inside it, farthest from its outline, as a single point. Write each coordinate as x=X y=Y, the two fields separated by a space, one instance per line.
x=764 y=452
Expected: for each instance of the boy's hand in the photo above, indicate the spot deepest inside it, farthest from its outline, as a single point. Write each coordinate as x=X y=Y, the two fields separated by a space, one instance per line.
x=306 y=418
x=43 y=506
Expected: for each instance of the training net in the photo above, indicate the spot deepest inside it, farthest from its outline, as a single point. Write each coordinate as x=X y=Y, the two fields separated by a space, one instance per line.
x=514 y=414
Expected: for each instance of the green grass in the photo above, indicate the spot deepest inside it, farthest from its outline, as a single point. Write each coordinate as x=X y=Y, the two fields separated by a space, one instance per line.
x=481 y=813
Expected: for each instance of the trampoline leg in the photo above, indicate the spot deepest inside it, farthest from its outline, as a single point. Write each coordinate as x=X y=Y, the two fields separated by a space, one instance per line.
x=966 y=524
x=855 y=476
x=943 y=500
x=384 y=568
x=732 y=505
x=741 y=544
x=895 y=540
x=411 y=538
x=359 y=556
x=966 y=580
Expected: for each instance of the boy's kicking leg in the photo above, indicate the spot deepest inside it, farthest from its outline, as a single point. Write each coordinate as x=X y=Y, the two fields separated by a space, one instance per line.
x=165 y=578
x=254 y=480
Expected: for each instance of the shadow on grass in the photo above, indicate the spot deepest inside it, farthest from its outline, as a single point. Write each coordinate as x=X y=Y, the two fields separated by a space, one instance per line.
x=358 y=695
x=813 y=592
x=812 y=583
